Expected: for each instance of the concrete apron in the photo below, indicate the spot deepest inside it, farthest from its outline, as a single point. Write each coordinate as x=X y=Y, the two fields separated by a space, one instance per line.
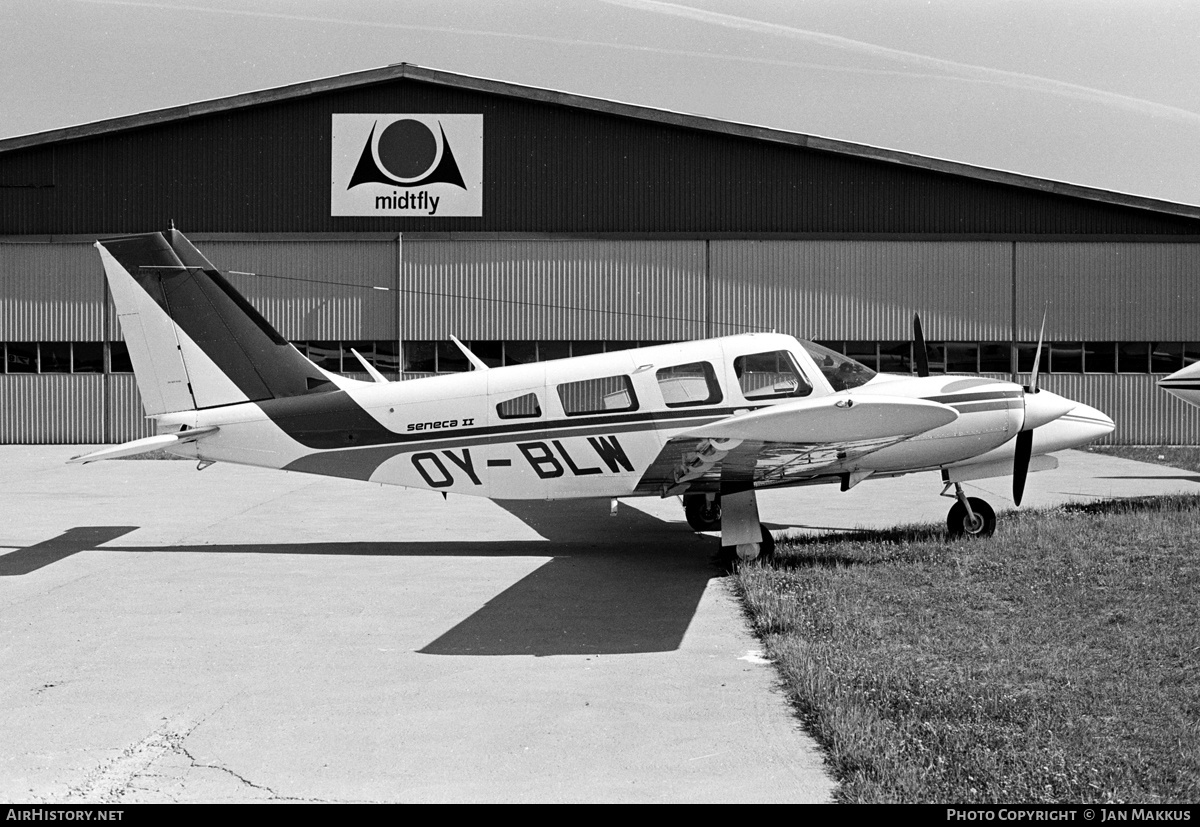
x=250 y=635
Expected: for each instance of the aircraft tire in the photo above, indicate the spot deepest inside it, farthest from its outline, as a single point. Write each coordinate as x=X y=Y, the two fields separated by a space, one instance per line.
x=958 y=525
x=701 y=514
x=730 y=559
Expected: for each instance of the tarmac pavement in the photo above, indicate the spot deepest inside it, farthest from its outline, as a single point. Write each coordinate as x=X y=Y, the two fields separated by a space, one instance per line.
x=243 y=635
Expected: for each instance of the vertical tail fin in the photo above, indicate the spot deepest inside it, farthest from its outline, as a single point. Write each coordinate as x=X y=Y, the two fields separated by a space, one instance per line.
x=194 y=341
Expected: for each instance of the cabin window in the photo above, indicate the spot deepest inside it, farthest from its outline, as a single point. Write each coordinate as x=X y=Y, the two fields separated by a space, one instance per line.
x=521 y=407
x=770 y=376
x=605 y=395
x=691 y=384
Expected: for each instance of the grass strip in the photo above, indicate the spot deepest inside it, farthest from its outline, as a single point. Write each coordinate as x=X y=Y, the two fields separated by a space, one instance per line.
x=1054 y=662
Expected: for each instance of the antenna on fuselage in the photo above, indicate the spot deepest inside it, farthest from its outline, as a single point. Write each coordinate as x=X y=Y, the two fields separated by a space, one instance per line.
x=376 y=375
x=471 y=357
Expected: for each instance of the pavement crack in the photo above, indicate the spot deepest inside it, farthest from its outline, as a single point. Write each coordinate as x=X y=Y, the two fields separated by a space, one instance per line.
x=182 y=750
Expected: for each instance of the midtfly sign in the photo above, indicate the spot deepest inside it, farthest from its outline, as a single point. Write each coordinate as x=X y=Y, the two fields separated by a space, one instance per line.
x=407 y=165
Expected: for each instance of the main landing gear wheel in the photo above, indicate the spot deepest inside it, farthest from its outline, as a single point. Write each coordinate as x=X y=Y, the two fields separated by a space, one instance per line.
x=730 y=557
x=702 y=514
x=960 y=524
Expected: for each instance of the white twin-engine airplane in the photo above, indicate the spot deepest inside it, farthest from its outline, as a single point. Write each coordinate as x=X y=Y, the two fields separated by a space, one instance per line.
x=711 y=421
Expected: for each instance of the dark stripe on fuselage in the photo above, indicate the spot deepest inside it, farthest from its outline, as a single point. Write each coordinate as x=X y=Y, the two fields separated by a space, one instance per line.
x=334 y=420
x=361 y=463
x=957 y=398
x=978 y=407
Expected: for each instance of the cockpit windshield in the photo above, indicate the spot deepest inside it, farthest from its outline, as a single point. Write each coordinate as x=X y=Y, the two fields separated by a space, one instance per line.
x=841 y=371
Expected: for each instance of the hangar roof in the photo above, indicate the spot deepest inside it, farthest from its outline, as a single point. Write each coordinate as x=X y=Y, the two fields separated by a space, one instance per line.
x=443 y=78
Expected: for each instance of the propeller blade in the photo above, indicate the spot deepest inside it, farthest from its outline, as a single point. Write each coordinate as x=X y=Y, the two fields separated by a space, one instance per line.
x=919 y=351
x=1021 y=464
x=1037 y=356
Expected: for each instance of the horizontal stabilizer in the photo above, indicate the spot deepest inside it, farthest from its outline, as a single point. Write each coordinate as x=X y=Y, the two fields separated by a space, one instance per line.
x=142 y=446
x=833 y=419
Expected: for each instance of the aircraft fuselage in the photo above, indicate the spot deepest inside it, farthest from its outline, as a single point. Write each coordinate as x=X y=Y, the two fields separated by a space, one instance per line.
x=594 y=426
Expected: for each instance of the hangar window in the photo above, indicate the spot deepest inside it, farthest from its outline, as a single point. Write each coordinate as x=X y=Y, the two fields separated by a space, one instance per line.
x=995 y=357
x=87 y=357
x=442 y=356
x=521 y=407
x=118 y=358
x=1168 y=357
x=53 y=357
x=1026 y=351
x=770 y=376
x=866 y=353
x=1066 y=357
x=895 y=357
x=325 y=355
x=691 y=384
x=608 y=394
x=962 y=357
x=21 y=357
x=420 y=357
x=1132 y=357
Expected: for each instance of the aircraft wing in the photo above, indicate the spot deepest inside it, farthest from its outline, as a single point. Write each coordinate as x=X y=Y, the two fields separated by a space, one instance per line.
x=789 y=442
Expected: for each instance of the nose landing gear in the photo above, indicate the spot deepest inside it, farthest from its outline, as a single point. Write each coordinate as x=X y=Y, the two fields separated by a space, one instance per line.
x=970 y=516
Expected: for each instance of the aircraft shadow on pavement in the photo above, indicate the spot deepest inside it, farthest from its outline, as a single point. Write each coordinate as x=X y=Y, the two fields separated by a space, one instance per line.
x=614 y=585
x=1188 y=477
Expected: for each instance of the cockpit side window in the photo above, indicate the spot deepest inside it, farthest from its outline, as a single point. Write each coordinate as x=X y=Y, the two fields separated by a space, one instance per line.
x=691 y=384
x=840 y=371
x=771 y=375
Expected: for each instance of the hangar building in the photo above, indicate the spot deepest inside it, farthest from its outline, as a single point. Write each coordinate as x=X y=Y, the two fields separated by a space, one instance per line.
x=387 y=210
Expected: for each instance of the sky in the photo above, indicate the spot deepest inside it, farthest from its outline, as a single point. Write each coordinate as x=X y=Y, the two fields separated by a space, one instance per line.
x=1101 y=93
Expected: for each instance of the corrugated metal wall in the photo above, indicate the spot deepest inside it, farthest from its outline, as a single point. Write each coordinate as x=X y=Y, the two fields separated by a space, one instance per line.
x=50 y=293
x=1143 y=413
x=629 y=290
x=863 y=289
x=1108 y=290
x=55 y=408
x=578 y=289
x=315 y=289
x=125 y=416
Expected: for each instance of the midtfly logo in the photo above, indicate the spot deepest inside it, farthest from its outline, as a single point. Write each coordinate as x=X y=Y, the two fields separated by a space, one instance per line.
x=407 y=165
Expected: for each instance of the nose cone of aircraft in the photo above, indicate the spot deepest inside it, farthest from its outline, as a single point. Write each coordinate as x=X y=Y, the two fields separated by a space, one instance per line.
x=1081 y=425
x=1043 y=407
x=1184 y=384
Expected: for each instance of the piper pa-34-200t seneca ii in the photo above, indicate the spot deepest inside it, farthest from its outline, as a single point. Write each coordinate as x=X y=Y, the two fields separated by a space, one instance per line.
x=710 y=421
